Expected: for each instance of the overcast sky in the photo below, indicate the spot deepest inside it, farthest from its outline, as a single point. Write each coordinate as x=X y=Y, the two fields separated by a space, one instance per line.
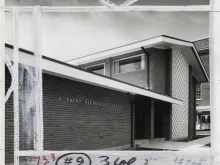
x=71 y=35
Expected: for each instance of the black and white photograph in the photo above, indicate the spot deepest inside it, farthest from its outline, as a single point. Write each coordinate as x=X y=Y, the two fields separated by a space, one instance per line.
x=100 y=82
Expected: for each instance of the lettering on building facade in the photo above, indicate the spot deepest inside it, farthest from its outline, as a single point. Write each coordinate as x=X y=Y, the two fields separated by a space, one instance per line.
x=90 y=102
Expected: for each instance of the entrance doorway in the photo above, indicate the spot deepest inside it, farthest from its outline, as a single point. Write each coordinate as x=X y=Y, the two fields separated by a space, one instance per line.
x=152 y=119
x=162 y=120
x=140 y=117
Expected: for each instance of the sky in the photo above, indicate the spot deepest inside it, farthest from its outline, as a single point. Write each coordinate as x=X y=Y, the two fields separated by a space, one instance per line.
x=67 y=36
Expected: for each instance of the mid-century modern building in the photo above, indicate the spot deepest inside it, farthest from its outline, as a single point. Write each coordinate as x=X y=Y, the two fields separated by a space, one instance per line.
x=203 y=89
x=152 y=67
x=112 y=99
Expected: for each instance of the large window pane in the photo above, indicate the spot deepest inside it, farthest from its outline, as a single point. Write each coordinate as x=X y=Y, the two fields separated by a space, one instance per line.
x=129 y=65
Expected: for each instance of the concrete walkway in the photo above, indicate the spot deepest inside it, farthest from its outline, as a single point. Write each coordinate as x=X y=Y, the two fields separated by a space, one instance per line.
x=177 y=146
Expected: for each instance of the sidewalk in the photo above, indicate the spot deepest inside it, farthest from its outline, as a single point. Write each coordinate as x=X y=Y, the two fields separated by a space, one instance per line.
x=177 y=146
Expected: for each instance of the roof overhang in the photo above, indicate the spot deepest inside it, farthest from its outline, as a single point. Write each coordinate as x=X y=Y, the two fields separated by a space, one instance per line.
x=203 y=108
x=162 y=42
x=57 y=68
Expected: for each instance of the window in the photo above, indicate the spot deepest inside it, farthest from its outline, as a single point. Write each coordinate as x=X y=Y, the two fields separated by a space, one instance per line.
x=129 y=64
x=203 y=119
x=208 y=119
x=100 y=68
x=199 y=91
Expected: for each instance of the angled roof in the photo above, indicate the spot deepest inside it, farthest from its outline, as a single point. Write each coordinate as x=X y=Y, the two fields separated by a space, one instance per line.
x=61 y=69
x=202 y=44
x=165 y=42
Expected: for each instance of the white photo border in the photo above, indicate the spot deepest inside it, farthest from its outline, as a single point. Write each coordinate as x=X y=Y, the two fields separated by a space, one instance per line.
x=214 y=29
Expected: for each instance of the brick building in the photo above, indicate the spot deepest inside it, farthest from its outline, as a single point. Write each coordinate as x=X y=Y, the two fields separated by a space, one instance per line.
x=203 y=89
x=113 y=99
x=160 y=62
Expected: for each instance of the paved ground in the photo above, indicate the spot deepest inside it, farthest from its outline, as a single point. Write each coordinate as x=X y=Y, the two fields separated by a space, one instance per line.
x=178 y=146
x=202 y=132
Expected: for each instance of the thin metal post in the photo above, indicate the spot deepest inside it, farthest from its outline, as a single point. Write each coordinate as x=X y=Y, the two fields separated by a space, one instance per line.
x=215 y=81
x=37 y=36
x=16 y=85
x=114 y=9
x=152 y=119
x=2 y=86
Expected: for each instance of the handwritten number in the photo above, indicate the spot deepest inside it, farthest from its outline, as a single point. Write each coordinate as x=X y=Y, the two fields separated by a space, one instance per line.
x=44 y=158
x=53 y=156
x=146 y=163
x=80 y=160
x=105 y=160
x=132 y=160
x=38 y=161
x=123 y=162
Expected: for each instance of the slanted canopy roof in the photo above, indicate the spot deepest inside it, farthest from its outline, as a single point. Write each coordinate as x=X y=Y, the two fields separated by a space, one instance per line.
x=61 y=69
x=164 y=42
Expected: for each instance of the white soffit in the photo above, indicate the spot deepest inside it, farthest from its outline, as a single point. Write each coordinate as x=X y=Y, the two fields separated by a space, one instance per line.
x=63 y=70
x=117 y=51
x=162 y=42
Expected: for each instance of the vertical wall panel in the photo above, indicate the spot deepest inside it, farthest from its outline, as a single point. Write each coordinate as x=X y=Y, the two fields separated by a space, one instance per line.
x=180 y=90
x=158 y=71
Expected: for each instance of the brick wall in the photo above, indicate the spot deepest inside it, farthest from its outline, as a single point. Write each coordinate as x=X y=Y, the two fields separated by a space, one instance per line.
x=9 y=124
x=205 y=61
x=180 y=90
x=205 y=101
x=77 y=126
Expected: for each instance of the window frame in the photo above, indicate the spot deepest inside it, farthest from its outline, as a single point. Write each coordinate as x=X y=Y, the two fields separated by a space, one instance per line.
x=200 y=91
x=203 y=119
x=208 y=119
x=116 y=62
x=90 y=66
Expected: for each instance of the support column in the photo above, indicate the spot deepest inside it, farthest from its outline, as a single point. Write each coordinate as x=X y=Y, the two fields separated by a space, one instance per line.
x=168 y=121
x=108 y=68
x=37 y=47
x=132 y=124
x=190 y=108
x=2 y=85
x=215 y=81
x=152 y=120
x=16 y=85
